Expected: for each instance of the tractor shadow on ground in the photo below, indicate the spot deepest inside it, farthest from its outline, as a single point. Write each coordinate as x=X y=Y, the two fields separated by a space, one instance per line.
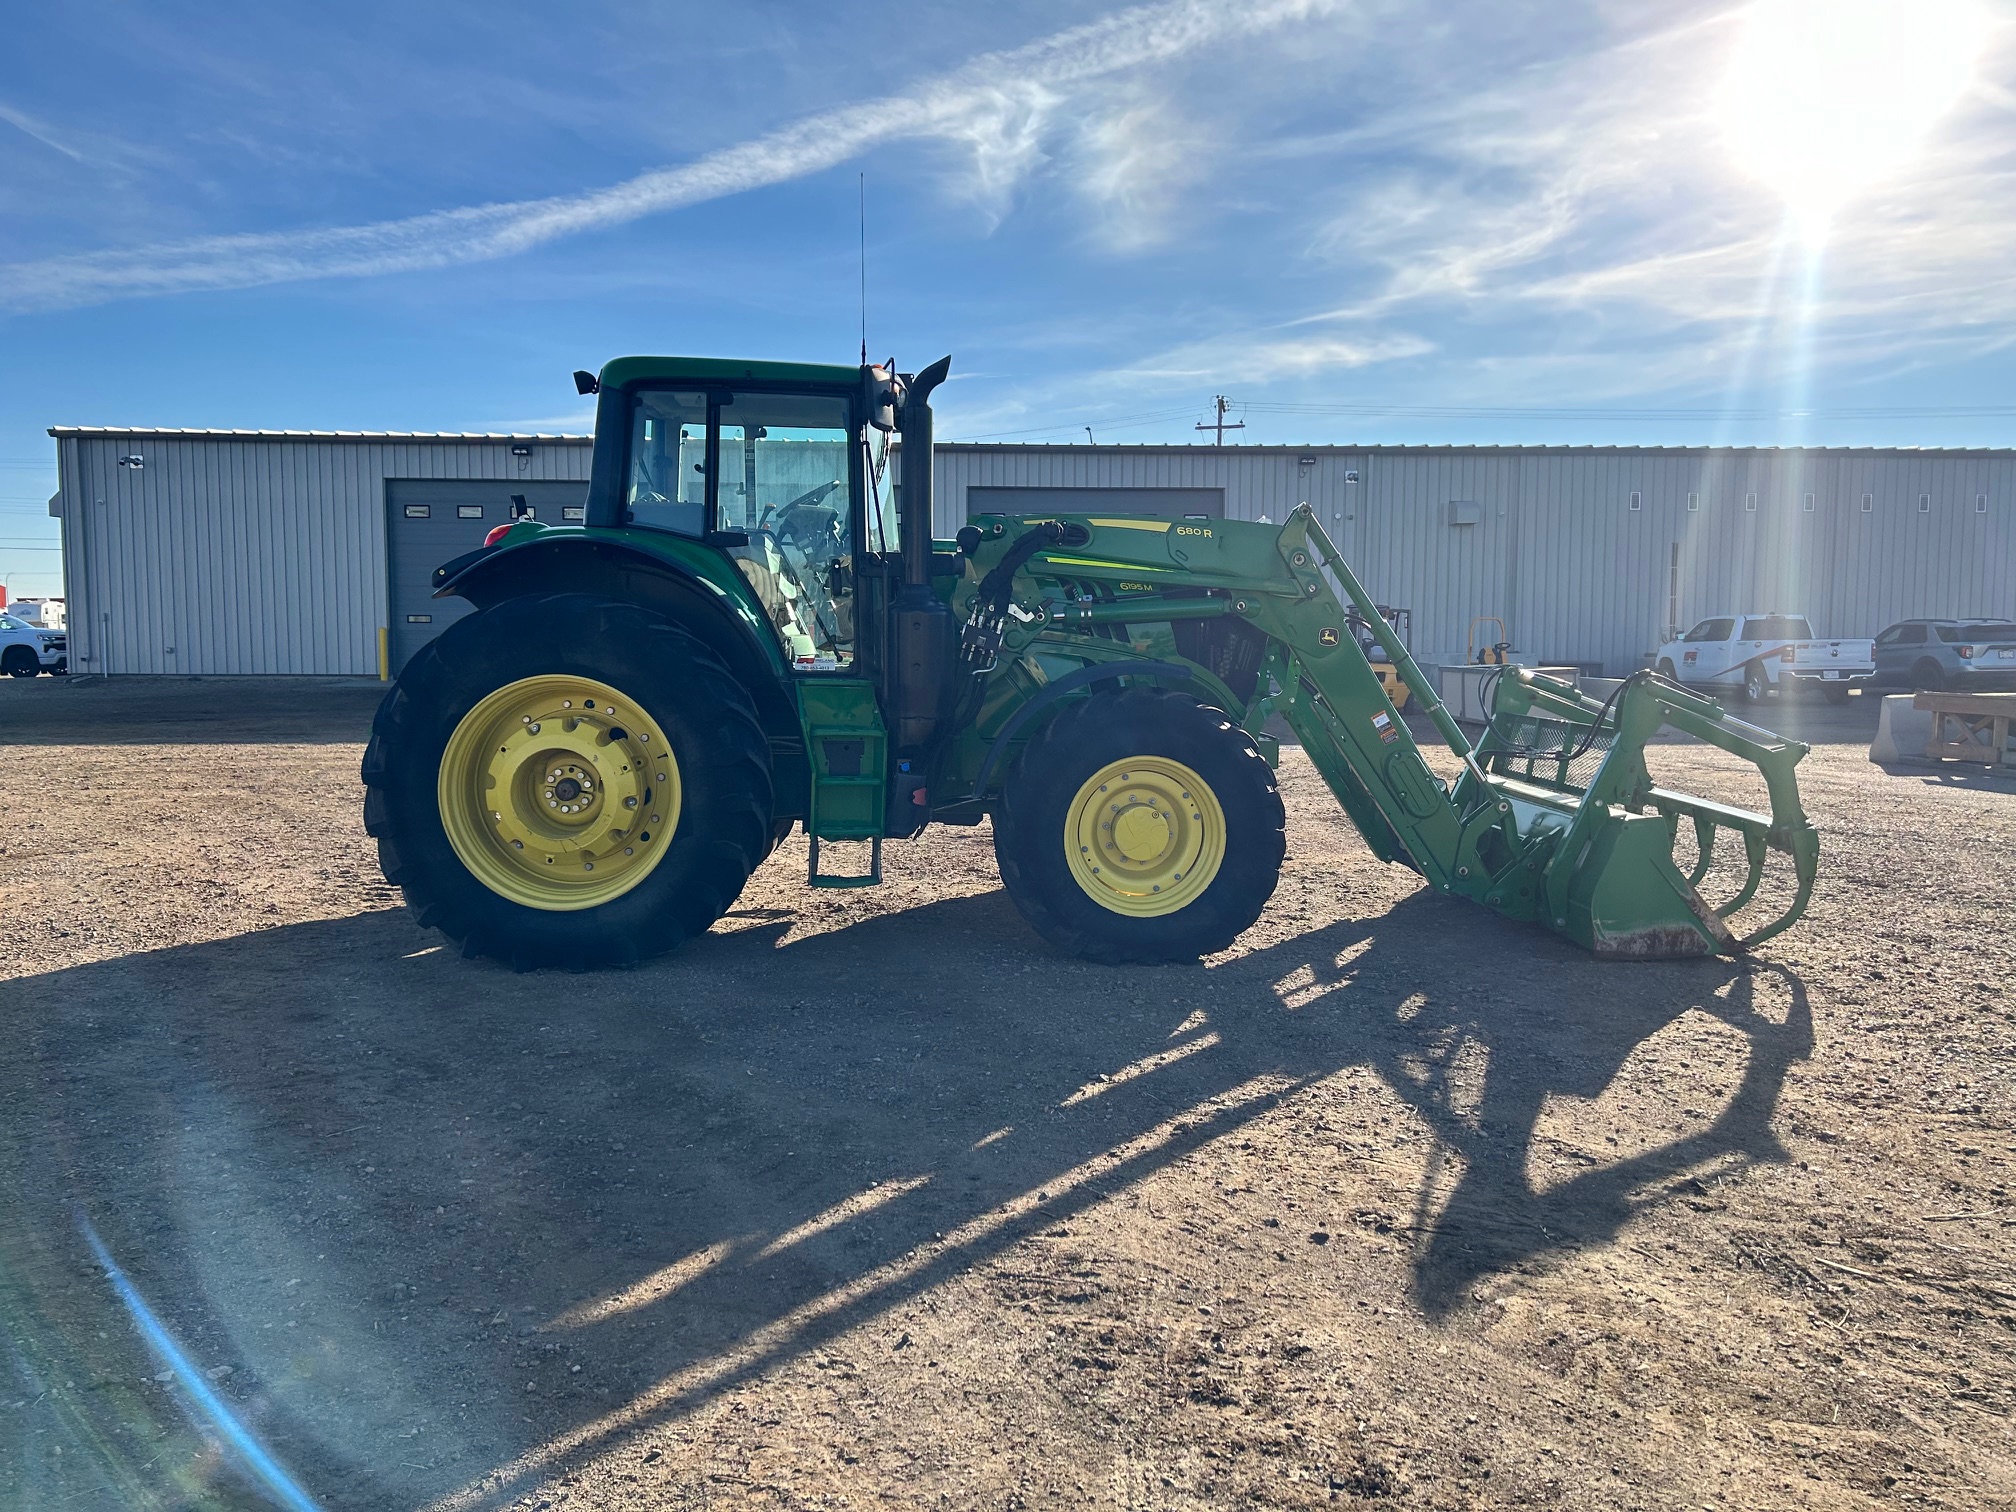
x=383 y=1184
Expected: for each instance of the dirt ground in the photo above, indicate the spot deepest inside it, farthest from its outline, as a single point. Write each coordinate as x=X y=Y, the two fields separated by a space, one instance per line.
x=869 y=1200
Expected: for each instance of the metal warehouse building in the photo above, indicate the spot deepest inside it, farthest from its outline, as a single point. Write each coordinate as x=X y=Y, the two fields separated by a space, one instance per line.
x=307 y=552
x=294 y=552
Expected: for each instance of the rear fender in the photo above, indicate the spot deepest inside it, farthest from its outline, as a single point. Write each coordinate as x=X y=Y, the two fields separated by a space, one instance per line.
x=726 y=623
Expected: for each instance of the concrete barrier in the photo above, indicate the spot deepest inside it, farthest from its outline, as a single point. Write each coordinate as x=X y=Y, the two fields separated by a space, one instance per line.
x=1902 y=733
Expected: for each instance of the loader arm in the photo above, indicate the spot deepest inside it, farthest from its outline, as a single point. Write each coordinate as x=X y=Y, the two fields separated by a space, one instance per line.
x=1553 y=819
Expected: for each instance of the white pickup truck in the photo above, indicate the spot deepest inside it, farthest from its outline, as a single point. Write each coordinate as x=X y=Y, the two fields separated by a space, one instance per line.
x=1763 y=653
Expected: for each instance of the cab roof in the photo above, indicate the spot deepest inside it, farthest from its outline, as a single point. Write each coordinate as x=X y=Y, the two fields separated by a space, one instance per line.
x=624 y=370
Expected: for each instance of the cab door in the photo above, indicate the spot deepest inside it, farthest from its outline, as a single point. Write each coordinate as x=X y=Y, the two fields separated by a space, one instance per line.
x=1704 y=650
x=1896 y=648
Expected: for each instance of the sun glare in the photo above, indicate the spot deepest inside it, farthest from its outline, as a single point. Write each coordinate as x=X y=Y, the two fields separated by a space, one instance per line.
x=1825 y=98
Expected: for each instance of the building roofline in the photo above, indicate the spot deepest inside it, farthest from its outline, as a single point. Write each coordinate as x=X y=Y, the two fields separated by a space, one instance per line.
x=91 y=432
x=1391 y=448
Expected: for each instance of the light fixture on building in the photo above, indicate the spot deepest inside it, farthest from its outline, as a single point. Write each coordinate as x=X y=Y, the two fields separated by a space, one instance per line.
x=133 y=461
x=1305 y=461
x=1351 y=475
x=521 y=449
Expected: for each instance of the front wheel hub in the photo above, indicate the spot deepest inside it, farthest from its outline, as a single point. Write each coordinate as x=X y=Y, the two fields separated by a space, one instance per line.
x=1144 y=836
x=559 y=792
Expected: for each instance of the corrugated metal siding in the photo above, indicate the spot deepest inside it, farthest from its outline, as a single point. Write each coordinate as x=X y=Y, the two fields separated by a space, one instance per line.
x=1559 y=553
x=228 y=555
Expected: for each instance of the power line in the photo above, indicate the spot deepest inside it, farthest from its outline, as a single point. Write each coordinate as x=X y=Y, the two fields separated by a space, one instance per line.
x=1099 y=420
x=1507 y=412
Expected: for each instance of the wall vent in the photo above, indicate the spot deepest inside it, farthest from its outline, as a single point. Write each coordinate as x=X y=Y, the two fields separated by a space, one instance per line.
x=1980 y=503
x=1924 y=503
x=1868 y=503
x=1637 y=499
x=1693 y=503
x=1750 y=503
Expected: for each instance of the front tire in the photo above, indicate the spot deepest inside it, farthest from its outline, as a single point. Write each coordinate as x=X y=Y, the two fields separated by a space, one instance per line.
x=21 y=662
x=1666 y=671
x=1140 y=826
x=566 y=780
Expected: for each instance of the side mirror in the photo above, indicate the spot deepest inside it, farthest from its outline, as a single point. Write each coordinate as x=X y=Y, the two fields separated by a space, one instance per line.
x=520 y=510
x=883 y=392
x=585 y=382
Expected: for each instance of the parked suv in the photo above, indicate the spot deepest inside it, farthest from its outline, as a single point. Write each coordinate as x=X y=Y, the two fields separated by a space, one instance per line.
x=26 y=650
x=1947 y=653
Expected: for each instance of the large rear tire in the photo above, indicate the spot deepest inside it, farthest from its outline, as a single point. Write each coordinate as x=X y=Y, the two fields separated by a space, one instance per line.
x=566 y=780
x=1140 y=826
x=1756 y=685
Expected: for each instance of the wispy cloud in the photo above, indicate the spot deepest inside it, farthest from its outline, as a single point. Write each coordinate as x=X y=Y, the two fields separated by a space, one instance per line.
x=1595 y=190
x=995 y=107
x=1244 y=360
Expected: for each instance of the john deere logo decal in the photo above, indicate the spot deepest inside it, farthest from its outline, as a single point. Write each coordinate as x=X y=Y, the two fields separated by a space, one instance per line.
x=1328 y=636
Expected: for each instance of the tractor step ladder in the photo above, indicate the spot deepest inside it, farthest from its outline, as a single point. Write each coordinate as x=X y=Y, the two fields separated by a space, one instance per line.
x=844 y=801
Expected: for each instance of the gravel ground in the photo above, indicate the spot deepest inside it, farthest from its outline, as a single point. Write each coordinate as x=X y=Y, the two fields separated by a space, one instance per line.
x=867 y=1199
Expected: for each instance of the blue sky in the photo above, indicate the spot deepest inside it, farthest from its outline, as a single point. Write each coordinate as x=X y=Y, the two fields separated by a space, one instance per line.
x=1448 y=220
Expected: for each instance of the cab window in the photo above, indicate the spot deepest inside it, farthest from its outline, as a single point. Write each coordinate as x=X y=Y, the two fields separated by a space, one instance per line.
x=1711 y=630
x=1777 y=627
x=786 y=464
x=667 y=487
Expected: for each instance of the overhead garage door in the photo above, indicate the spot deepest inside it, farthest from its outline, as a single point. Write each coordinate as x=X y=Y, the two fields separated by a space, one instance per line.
x=429 y=522
x=1123 y=501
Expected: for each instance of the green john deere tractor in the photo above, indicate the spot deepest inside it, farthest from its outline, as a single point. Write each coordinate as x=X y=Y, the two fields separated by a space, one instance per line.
x=755 y=628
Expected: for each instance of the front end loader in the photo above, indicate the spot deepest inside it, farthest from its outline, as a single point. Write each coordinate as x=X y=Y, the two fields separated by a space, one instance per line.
x=754 y=629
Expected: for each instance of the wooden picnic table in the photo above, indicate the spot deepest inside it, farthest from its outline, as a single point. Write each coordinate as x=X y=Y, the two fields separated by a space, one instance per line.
x=1970 y=727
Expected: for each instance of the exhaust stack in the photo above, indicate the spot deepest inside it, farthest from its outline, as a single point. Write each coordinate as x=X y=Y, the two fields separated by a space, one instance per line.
x=916 y=481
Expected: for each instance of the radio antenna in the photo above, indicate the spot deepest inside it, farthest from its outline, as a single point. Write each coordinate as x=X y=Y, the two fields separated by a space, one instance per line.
x=864 y=269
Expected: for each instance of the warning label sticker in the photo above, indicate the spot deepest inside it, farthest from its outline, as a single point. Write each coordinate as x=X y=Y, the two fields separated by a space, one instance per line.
x=1383 y=723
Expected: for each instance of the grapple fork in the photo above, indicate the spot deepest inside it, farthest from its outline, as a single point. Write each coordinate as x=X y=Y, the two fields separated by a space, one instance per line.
x=1611 y=881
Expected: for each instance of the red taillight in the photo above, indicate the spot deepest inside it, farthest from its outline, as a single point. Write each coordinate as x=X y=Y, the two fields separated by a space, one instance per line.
x=497 y=533
x=1787 y=655
x=1966 y=652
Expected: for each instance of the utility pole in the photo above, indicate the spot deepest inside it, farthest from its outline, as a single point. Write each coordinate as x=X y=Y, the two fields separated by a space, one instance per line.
x=1219 y=425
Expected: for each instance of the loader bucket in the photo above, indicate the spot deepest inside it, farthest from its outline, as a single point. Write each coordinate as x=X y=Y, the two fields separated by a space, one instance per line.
x=1576 y=808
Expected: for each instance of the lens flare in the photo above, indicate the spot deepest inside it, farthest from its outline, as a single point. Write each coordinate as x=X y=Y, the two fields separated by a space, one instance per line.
x=1826 y=98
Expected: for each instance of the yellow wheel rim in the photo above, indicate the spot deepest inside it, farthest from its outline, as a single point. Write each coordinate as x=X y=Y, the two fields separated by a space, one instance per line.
x=559 y=792
x=1145 y=836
